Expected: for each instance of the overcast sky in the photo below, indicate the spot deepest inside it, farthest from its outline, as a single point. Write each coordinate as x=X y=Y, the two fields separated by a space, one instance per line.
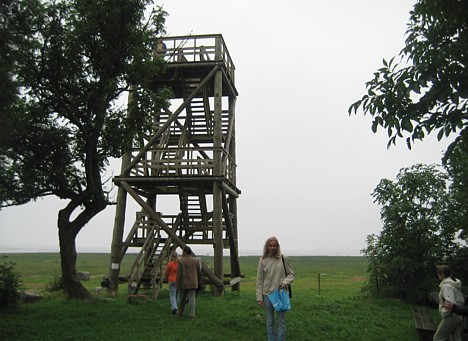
x=306 y=169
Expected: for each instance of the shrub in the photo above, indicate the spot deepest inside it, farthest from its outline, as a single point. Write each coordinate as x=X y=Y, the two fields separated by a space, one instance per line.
x=55 y=284
x=416 y=235
x=9 y=284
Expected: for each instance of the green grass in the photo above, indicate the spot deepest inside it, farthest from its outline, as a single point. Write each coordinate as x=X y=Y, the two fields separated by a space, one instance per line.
x=338 y=313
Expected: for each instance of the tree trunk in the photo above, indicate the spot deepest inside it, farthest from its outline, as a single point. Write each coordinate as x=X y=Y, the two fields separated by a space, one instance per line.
x=72 y=286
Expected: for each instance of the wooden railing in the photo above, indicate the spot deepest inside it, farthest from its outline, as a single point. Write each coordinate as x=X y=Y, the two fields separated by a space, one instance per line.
x=137 y=268
x=189 y=161
x=196 y=48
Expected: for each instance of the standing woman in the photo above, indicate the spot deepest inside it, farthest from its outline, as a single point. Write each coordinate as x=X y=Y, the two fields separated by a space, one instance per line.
x=450 y=325
x=171 y=275
x=274 y=272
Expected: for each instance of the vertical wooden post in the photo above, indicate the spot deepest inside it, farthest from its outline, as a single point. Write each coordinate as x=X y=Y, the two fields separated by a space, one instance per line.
x=117 y=236
x=318 y=276
x=119 y=220
x=218 y=236
x=217 y=155
x=235 y=268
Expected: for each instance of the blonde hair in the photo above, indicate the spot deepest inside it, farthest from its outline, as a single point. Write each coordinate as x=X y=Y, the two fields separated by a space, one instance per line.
x=265 y=247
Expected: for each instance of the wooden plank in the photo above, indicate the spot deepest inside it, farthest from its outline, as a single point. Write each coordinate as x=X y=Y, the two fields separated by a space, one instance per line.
x=422 y=319
x=424 y=324
x=234 y=281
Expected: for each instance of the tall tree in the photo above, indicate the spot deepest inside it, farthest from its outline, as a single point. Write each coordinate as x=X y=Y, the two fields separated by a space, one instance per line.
x=457 y=168
x=416 y=235
x=69 y=61
x=426 y=88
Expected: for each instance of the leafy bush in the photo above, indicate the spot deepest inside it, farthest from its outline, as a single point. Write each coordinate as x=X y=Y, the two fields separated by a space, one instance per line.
x=416 y=234
x=55 y=283
x=9 y=284
x=457 y=263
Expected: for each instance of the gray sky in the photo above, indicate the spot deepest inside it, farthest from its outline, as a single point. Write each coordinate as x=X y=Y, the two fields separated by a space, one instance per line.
x=306 y=169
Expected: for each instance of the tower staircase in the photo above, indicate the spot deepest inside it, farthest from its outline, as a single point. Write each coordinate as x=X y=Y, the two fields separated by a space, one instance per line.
x=148 y=268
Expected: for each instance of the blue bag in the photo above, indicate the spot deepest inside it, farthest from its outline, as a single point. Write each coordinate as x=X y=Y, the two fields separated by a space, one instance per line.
x=279 y=299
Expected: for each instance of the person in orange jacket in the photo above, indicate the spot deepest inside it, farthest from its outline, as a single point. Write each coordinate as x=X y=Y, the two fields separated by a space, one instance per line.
x=171 y=275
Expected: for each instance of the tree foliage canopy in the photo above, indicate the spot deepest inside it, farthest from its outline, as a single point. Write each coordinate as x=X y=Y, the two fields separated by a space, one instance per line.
x=426 y=88
x=422 y=90
x=64 y=65
x=68 y=63
x=418 y=233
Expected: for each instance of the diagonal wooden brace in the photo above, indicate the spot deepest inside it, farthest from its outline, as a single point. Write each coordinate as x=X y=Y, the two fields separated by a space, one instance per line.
x=207 y=271
x=169 y=121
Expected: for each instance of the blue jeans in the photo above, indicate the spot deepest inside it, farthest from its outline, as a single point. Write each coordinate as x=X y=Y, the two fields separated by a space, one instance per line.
x=173 y=295
x=270 y=321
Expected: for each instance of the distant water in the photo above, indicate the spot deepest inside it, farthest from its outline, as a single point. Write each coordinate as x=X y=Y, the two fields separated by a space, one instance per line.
x=200 y=252
x=27 y=249
x=47 y=249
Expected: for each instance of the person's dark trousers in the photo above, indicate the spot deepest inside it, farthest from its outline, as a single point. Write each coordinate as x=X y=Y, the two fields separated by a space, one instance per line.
x=190 y=296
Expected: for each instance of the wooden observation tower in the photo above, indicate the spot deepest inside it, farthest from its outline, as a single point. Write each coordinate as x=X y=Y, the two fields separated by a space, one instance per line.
x=188 y=165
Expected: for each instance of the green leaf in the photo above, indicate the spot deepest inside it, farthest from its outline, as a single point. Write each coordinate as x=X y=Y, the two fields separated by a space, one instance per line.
x=440 y=134
x=406 y=124
x=375 y=123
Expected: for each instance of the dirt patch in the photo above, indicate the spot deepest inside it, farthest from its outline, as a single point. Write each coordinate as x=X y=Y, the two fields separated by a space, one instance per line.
x=358 y=279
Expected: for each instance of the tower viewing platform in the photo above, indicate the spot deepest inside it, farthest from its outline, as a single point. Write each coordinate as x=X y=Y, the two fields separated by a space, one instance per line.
x=195 y=55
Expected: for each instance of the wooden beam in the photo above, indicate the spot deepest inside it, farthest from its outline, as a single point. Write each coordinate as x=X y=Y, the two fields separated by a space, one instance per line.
x=234 y=281
x=117 y=251
x=170 y=119
x=229 y=83
x=232 y=119
x=229 y=190
x=158 y=180
x=147 y=208
x=235 y=266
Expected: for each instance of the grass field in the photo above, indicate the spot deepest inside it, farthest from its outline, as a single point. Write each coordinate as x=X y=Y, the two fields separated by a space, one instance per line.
x=337 y=312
